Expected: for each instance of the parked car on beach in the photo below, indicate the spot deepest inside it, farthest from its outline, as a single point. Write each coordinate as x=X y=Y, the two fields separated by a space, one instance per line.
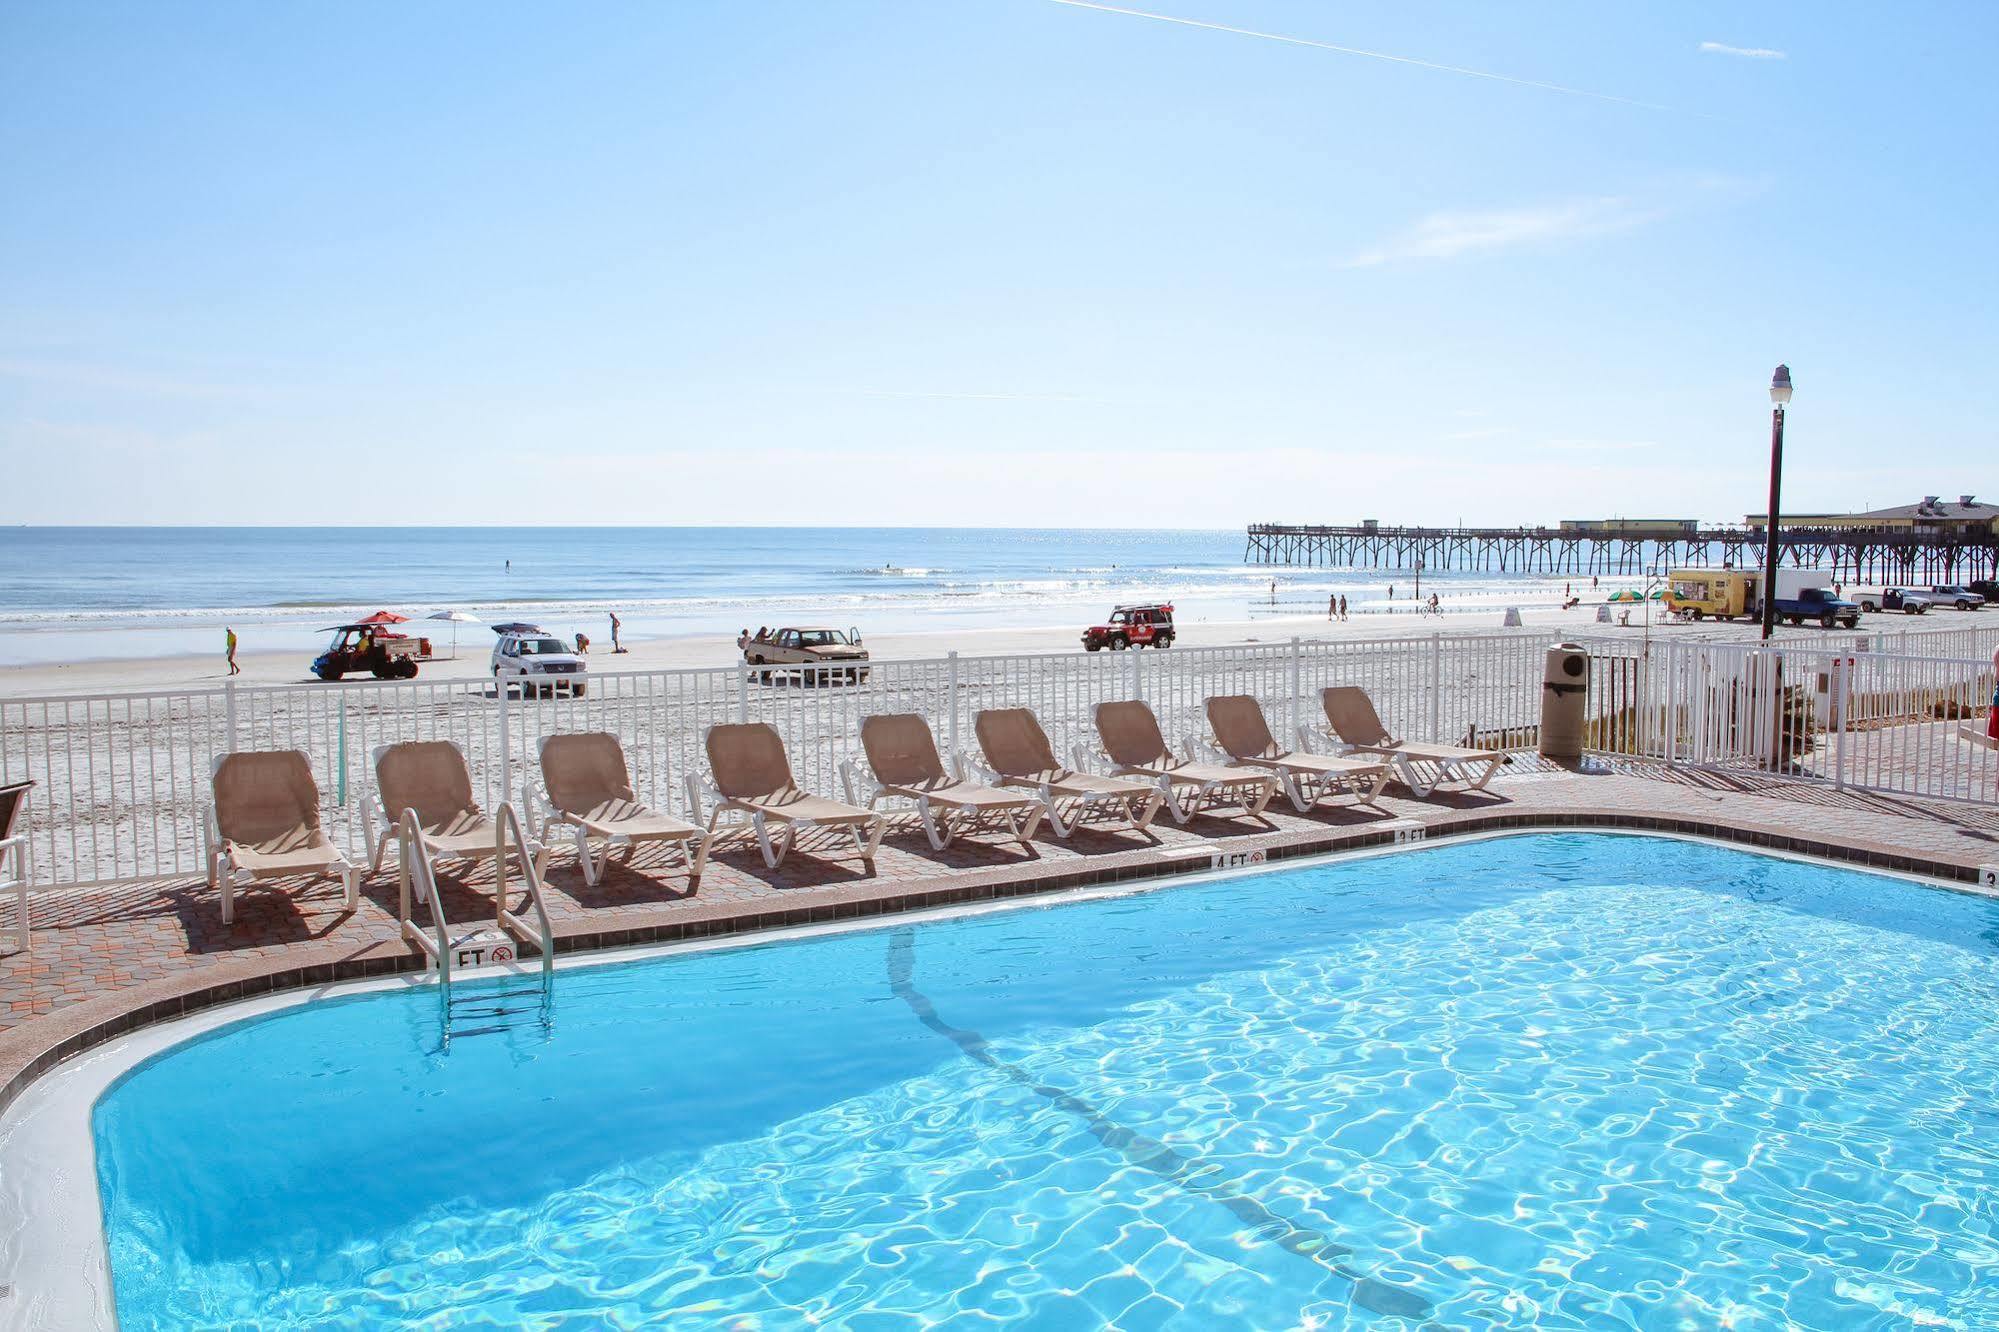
x=1956 y=594
x=538 y=661
x=1893 y=599
x=830 y=649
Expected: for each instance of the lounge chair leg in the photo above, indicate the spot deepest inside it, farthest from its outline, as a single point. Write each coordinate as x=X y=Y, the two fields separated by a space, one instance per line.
x=1062 y=828
x=582 y=839
x=350 y=879
x=229 y=897
x=940 y=837
x=699 y=859
x=1025 y=832
x=771 y=858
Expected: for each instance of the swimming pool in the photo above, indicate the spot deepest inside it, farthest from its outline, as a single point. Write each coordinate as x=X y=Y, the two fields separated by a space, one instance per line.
x=1554 y=1080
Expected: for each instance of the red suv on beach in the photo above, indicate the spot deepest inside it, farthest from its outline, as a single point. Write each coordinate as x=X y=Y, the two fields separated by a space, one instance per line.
x=1149 y=625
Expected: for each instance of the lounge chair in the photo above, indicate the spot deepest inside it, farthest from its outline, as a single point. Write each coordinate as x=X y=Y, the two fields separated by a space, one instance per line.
x=1241 y=733
x=1353 y=721
x=1018 y=754
x=14 y=845
x=902 y=755
x=587 y=787
x=429 y=779
x=264 y=824
x=1133 y=742
x=752 y=777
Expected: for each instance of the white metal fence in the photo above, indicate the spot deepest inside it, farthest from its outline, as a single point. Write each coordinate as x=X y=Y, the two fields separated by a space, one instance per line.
x=122 y=779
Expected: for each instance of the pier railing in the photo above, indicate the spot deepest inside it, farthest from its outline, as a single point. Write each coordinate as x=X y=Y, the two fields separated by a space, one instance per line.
x=122 y=779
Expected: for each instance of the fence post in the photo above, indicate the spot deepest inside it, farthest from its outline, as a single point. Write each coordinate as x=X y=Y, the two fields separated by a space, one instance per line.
x=1436 y=688
x=229 y=712
x=1669 y=714
x=743 y=693
x=1842 y=695
x=951 y=703
x=1297 y=685
x=506 y=742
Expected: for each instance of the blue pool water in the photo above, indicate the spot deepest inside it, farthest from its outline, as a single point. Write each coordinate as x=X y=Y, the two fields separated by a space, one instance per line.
x=1544 y=1081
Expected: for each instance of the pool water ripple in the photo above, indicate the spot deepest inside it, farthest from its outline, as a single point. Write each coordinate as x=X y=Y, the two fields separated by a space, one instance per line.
x=1537 y=1082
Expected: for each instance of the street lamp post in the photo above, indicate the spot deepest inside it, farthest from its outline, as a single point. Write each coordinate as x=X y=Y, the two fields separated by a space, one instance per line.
x=1780 y=394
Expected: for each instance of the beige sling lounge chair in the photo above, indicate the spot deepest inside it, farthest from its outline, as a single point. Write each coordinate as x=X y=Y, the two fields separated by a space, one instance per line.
x=1241 y=732
x=587 y=787
x=14 y=847
x=429 y=778
x=902 y=755
x=753 y=778
x=264 y=824
x=1133 y=742
x=1353 y=721
x=1018 y=753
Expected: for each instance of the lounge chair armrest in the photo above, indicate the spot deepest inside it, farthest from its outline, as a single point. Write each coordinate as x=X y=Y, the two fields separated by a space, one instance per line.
x=860 y=789
x=972 y=769
x=701 y=792
x=1200 y=748
x=1090 y=759
x=18 y=846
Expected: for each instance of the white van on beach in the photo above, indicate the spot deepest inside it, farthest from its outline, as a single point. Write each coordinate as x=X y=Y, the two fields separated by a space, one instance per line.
x=542 y=663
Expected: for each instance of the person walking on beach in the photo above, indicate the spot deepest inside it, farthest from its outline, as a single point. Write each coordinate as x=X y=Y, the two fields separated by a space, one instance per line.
x=1343 y=609
x=1332 y=606
x=234 y=669
x=616 y=624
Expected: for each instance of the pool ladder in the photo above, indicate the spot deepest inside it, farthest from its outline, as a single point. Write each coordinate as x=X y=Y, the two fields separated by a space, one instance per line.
x=482 y=1010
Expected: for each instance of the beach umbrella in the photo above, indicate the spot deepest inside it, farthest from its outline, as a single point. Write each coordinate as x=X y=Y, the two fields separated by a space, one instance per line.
x=457 y=617
x=1626 y=595
x=383 y=617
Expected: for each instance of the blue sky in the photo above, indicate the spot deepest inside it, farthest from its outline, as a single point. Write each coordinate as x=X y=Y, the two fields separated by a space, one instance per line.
x=1014 y=262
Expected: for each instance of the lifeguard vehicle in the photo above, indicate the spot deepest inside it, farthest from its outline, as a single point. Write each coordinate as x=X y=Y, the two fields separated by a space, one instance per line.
x=1149 y=624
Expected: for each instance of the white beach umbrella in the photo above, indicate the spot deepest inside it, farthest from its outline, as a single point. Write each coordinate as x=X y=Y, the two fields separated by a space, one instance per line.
x=457 y=617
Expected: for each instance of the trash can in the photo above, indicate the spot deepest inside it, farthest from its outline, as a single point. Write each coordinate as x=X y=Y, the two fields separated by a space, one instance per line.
x=1564 y=700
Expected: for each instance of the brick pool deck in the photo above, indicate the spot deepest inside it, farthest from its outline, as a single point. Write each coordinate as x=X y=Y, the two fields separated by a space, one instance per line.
x=108 y=960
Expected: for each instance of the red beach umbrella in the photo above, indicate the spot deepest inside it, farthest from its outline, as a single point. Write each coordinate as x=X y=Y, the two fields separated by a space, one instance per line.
x=383 y=617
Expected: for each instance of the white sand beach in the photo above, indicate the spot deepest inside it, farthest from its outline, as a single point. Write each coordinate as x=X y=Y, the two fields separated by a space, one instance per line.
x=704 y=650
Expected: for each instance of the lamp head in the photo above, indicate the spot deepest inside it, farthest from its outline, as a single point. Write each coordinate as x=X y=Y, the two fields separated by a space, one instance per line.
x=1780 y=385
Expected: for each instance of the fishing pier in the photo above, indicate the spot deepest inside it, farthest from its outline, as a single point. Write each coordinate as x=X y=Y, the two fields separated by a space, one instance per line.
x=1908 y=554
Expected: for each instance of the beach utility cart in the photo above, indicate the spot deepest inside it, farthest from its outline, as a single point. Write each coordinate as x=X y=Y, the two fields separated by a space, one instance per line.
x=903 y=758
x=14 y=853
x=1352 y=720
x=264 y=824
x=753 y=781
x=1017 y=754
x=587 y=788
x=1243 y=735
x=1133 y=743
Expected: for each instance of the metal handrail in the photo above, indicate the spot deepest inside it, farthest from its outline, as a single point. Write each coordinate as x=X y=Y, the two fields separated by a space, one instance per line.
x=411 y=860
x=510 y=818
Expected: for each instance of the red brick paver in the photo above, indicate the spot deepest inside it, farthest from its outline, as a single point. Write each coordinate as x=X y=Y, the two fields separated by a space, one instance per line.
x=110 y=959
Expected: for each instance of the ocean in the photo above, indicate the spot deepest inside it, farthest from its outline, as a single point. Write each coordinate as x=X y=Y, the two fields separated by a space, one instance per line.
x=120 y=592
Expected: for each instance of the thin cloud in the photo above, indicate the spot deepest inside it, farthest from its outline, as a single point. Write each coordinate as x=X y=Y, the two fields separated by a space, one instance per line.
x=118 y=380
x=1744 y=52
x=971 y=397
x=1362 y=53
x=1449 y=235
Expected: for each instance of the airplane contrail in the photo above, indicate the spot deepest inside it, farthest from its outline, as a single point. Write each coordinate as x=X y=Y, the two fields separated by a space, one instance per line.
x=1358 y=51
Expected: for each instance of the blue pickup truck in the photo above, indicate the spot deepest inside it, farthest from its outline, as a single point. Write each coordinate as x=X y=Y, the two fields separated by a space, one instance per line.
x=1817 y=603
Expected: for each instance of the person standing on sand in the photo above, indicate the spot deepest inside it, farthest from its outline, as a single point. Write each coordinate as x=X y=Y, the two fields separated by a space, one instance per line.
x=234 y=669
x=1332 y=606
x=616 y=624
